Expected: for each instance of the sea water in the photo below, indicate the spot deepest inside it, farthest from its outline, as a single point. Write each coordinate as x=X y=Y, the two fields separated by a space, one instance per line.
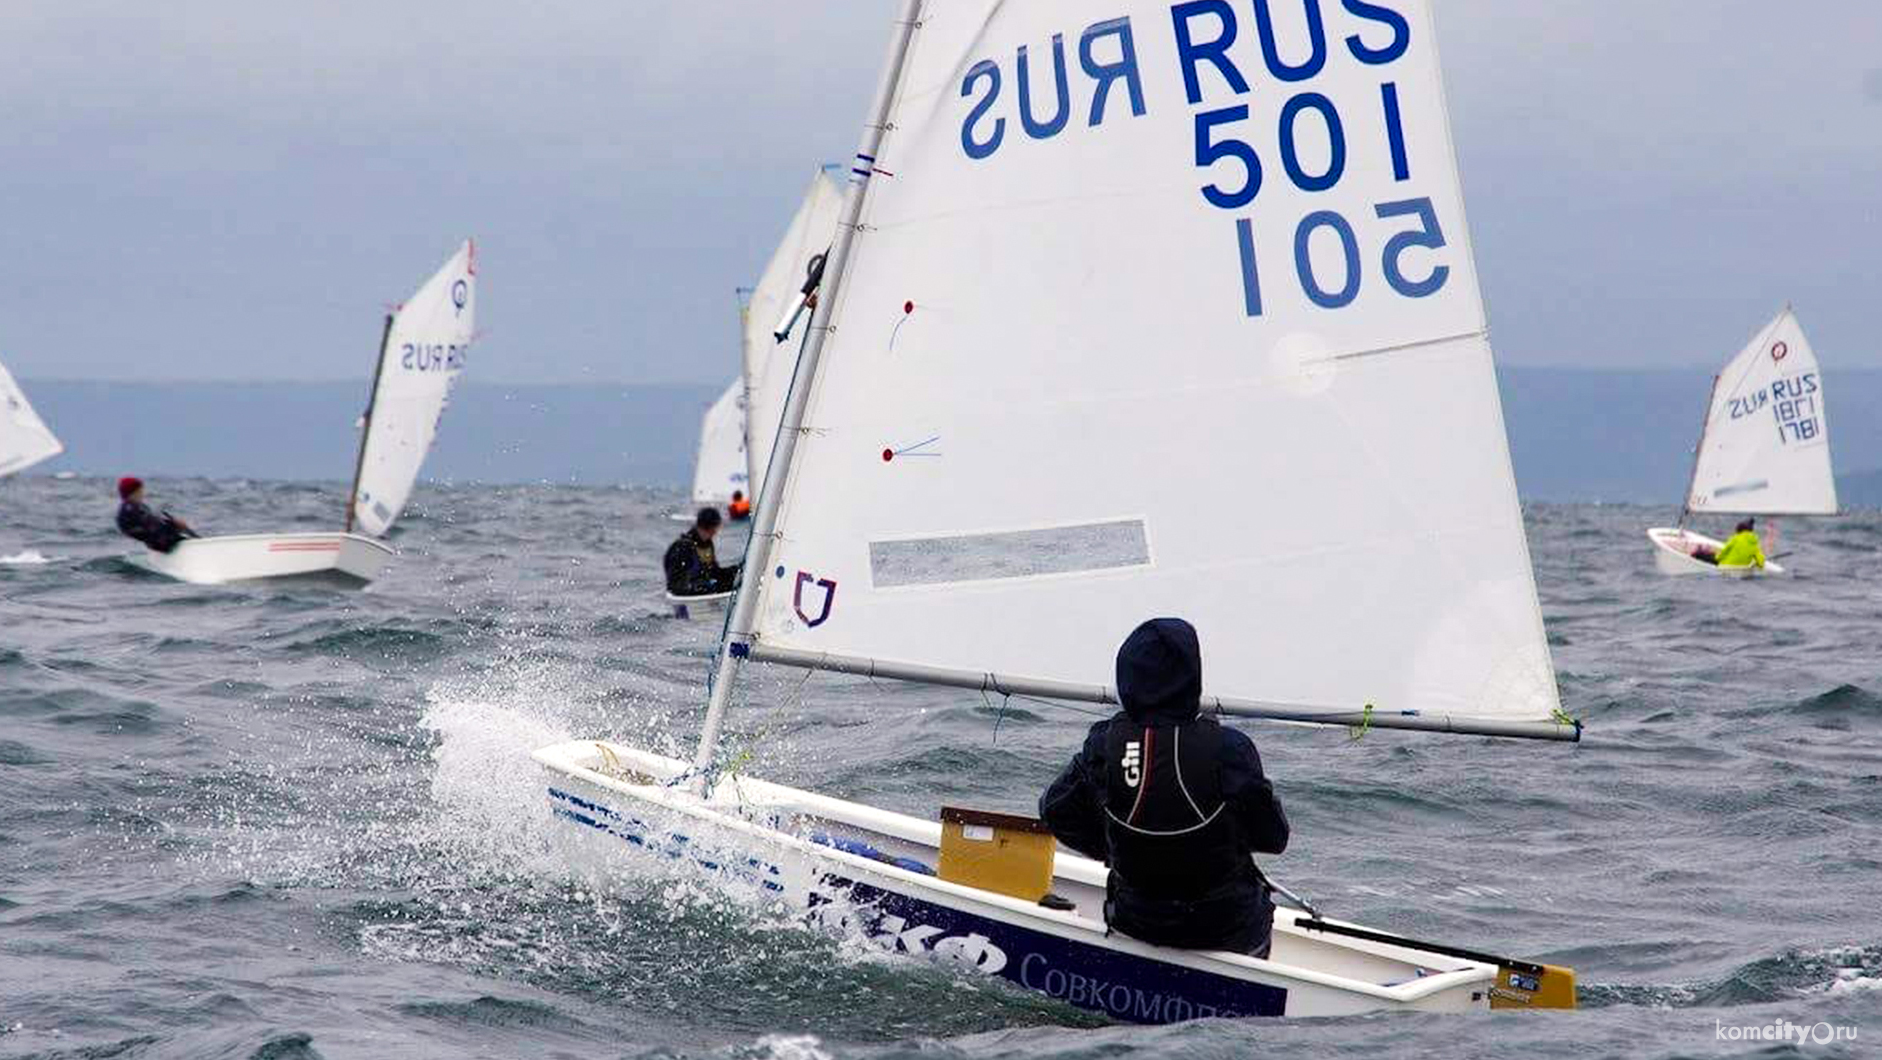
x=294 y=822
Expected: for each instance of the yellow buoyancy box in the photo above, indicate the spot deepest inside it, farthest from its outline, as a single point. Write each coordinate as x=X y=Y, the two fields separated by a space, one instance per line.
x=998 y=852
x=1554 y=987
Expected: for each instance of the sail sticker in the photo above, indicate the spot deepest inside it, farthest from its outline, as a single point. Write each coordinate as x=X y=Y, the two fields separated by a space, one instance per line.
x=797 y=598
x=1780 y=350
x=460 y=296
x=920 y=448
x=1083 y=548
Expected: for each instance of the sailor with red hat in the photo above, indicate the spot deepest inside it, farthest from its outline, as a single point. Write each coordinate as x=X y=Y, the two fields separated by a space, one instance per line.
x=159 y=532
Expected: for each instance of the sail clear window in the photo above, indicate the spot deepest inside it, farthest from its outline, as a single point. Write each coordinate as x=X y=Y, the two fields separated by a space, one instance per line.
x=1085 y=547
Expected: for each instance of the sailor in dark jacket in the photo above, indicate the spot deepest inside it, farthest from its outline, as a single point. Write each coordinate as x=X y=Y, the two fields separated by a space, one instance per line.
x=691 y=564
x=1176 y=804
x=160 y=533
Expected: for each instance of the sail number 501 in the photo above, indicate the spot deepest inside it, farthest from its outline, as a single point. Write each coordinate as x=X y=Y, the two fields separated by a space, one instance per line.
x=1335 y=289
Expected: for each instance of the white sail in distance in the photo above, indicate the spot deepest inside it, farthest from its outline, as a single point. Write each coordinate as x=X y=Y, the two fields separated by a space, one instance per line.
x=769 y=364
x=1766 y=444
x=25 y=439
x=425 y=349
x=720 y=467
x=1104 y=269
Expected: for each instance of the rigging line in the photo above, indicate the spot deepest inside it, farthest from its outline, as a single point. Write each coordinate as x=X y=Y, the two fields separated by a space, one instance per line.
x=748 y=748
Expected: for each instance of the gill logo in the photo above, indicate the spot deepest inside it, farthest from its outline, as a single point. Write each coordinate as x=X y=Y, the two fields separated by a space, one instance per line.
x=1133 y=763
x=829 y=597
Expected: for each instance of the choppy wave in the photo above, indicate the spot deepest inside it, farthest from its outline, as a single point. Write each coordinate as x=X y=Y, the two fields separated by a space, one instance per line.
x=306 y=823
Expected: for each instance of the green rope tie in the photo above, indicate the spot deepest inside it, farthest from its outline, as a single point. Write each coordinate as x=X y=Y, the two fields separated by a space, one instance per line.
x=1358 y=732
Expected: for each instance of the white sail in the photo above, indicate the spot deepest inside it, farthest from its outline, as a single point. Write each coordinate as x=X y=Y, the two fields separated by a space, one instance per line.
x=1162 y=314
x=769 y=363
x=720 y=466
x=424 y=351
x=25 y=439
x=1766 y=446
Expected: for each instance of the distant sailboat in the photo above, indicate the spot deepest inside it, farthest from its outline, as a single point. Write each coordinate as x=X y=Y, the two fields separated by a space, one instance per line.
x=718 y=471
x=720 y=467
x=25 y=439
x=1764 y=448
x=769 y=324
x=772 y=338
x=421 y=352
x=1043 y=333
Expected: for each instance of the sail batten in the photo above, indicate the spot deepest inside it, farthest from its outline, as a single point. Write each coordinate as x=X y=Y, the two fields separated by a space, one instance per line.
x=423 y=353
x=1765 y=447
x=25 y=439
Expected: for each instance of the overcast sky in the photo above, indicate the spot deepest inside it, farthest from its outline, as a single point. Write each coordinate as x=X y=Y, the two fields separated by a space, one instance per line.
x=233 y=189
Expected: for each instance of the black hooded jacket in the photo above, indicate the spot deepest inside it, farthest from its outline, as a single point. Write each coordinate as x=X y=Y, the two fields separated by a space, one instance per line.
x=158 y=532
x=1175 y=803
x=692 y=567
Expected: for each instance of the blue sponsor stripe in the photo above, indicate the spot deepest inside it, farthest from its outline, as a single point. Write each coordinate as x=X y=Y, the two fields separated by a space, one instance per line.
x=1121 y=985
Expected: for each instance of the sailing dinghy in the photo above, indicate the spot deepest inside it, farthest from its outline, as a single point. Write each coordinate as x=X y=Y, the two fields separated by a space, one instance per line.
x=1764 y=448
x=421 y=352
x=1043 y=332
x=778 y=303
x=769 y=358
x=25 y=439
x=719 y=469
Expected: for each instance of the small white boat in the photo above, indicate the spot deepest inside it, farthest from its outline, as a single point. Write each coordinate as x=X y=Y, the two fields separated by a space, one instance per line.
x=1673 y=549
x=1764 y=448
x=986 y=463
x=738 y=431
x=719 y=468
x=686 y=606
x=344 y=559
x=851 y=869
x=25 y=439
x=421 y=352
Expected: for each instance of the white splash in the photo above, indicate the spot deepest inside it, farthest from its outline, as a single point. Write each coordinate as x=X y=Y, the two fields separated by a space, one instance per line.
x=791 y=1047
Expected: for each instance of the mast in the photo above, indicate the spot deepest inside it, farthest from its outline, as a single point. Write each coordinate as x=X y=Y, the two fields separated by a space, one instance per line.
x=365 y=433
x=764 y=530
x=1705 y=427
x=743 y=297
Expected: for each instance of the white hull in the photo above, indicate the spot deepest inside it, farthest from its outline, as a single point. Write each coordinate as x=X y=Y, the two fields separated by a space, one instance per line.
x=785 y=843
x=1673 y=548
x=343 y=558
x=688 y=606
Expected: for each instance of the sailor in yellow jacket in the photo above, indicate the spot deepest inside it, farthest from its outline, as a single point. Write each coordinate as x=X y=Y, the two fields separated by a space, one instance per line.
x=1742 y=549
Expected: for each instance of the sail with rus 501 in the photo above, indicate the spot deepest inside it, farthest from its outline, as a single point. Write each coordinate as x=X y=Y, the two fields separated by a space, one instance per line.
x=1764 y=449
x=1089 y=272
x=421 y=352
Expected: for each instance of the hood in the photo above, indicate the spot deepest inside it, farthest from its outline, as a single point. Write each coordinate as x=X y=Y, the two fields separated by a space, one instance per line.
x=1159 y=673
